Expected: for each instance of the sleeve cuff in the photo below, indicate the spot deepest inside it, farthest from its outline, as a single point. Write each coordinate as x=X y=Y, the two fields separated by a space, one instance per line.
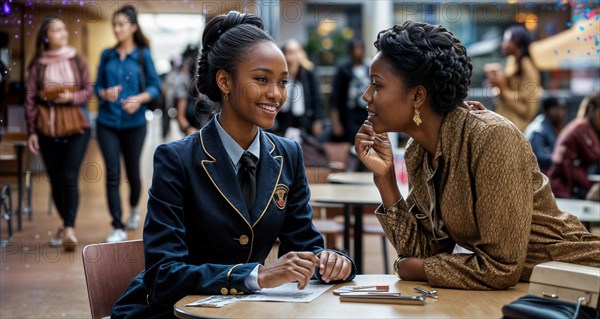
x=251 y=282
x=393 y=210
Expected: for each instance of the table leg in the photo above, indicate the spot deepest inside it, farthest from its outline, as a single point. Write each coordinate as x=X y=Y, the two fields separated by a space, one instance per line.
x=358 y=238
x=347 y=229
x=19 y=148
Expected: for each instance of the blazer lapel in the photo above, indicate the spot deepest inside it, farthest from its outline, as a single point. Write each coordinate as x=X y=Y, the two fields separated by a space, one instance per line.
x=268 y=175
x=219 y=170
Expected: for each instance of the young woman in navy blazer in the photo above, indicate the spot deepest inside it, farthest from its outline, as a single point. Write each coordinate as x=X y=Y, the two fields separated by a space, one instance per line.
x=199 y=235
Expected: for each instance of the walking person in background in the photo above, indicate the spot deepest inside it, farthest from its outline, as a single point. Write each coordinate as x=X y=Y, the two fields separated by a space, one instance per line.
x=58 y=78
x=126 y=81
x=577 y=150
x=175 y=87
x=518 y=87
x=350 y=82
x=544 y=129
x=303 y=108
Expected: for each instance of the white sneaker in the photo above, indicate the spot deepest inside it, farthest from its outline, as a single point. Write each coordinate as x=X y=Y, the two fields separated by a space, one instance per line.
x=134 y=219
x=116 y=236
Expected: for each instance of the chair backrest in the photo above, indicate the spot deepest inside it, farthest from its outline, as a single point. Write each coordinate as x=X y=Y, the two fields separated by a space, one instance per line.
x=317 y=175
x=109 y=268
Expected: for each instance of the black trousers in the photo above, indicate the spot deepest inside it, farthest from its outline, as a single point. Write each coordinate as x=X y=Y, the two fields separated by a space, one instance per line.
x=129 y=143
x=62 y=157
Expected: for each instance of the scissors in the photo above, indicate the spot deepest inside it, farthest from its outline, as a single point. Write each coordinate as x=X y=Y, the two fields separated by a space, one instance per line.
x=428 y=293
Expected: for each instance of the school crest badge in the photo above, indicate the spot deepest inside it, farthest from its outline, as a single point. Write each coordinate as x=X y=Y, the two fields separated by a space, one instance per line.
x=280 y=196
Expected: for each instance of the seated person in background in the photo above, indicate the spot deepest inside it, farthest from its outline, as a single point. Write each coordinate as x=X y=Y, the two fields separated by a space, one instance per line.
x=544 y=129
x=577 y=150
x=474 y=181
x=207 y=233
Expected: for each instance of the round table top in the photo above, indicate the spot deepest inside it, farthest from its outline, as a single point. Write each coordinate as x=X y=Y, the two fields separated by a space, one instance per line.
x=451 y=303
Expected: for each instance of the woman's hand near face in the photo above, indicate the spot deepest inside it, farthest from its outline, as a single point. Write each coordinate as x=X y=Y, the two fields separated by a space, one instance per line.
x=293 y=266
x=374 y=150
x=333 y=266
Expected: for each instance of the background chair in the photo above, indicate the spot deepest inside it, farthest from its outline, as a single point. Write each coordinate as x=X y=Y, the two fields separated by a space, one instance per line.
x=109 y=268
x=6 y=213
x=321 y=212
x=15 y=170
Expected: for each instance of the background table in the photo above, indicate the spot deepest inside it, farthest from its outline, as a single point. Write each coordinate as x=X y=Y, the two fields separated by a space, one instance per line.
x=353 y=197
x=356 y=178
x=451 y=303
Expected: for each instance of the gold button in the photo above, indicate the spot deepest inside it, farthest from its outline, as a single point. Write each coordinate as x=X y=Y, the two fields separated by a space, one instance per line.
x=233 y=291
x=223 y=291
x=244 y=240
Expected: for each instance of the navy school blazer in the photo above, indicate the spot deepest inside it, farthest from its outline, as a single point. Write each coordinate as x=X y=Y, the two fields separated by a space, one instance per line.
x=199 y=237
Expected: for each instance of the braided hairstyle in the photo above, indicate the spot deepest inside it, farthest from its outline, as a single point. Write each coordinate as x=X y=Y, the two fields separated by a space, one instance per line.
x=431 y=56
x=226 y=40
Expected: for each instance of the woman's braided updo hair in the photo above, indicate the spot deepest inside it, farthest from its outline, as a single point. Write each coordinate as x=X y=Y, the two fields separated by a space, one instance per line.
x=431 y=56
x=226 y=40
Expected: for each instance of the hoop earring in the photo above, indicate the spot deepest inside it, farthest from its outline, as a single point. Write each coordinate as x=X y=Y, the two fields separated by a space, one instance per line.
x=226 y=96
x=417 y=117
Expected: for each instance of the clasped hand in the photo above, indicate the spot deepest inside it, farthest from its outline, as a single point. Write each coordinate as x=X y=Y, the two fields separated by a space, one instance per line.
x=300 y=267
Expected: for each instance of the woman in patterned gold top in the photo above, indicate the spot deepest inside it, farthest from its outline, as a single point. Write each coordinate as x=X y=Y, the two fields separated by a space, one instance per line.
x=479 y=214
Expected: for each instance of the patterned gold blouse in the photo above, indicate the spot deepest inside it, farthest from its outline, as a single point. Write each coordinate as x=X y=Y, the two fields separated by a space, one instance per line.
x=487 y=195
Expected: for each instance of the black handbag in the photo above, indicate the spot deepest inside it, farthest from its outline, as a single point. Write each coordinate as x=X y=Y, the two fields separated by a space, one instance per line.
x=536 y=307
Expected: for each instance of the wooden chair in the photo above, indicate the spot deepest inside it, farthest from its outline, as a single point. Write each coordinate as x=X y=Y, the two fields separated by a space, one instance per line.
x=338 y=154
x=14 y=170
x=6 y=213
x=109 y=268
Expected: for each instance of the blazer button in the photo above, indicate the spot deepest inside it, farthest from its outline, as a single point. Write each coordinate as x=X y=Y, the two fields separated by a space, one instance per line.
x=233 y=291
x=244 y=240
x=224 y=291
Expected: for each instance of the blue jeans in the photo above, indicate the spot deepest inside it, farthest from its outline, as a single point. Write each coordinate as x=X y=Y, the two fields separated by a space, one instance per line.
x=113 y=143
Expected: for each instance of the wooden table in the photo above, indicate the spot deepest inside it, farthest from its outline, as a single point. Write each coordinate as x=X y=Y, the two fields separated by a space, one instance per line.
x=451 y=303
x=354 y=178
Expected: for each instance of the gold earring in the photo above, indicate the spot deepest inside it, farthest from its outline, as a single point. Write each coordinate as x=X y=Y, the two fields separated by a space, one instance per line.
x=417 y=117
x=226 y=96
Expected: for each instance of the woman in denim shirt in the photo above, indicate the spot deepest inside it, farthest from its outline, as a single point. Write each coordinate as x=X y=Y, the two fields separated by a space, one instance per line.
x=126 y=81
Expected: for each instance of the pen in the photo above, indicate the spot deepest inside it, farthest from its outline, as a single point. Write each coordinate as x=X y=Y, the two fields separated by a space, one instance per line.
x=382 y=287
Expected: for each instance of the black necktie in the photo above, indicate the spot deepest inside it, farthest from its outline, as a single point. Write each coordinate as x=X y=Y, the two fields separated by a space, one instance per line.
x=247 y=178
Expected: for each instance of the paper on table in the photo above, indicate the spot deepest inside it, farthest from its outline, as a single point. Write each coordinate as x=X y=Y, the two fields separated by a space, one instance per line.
x=216 y=301
x=289 y=293
x=284 y=293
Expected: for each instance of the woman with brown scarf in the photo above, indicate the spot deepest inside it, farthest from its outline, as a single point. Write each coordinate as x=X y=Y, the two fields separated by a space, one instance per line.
x=59 y=78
